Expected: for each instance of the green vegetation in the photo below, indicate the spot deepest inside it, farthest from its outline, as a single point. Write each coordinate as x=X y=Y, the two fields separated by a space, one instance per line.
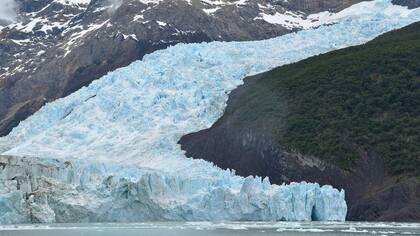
x=339 y=105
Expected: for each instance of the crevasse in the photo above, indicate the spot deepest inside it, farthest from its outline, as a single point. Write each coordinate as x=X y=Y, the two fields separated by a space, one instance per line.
x=109 y=152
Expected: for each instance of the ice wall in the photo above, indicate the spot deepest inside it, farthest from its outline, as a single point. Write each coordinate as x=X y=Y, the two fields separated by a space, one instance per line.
x=115 y=141
x=38 y=190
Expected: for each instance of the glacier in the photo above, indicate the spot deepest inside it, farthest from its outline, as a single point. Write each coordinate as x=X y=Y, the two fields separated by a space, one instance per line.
x=109 y=151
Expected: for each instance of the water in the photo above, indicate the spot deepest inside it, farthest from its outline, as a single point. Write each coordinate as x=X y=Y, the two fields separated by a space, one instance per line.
x=210 y=229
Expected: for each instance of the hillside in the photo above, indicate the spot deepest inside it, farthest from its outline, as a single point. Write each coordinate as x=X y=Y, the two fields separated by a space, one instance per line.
x=348 y=118
x=55 y=47
x=358 y=99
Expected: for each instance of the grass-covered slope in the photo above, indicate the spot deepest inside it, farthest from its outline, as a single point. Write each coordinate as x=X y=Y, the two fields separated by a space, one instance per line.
x=339 y=105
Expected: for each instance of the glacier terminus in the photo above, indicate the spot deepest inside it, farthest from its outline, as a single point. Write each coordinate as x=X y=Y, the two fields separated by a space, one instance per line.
x=109 y=152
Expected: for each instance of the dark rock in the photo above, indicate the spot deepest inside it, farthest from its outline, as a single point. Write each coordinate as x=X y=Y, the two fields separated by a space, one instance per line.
x=32 y=5
x=314 y=6
x=411 y=4
x=391 y=201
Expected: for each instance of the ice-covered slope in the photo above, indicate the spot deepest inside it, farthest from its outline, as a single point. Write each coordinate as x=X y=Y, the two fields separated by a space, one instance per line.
x=116 y=140
x=55 y=47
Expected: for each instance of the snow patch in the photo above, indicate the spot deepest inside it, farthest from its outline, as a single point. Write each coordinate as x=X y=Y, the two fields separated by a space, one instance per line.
x=211 y=11
x=73 y=2
x=161 y=23
x=292 y=20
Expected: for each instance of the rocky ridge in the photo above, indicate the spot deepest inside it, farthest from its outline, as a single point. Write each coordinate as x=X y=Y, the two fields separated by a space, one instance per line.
x=58 y=46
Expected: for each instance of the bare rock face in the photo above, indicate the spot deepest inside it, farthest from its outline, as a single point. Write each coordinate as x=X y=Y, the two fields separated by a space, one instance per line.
x=58 y=46
x=314 y=6
x=409 y=3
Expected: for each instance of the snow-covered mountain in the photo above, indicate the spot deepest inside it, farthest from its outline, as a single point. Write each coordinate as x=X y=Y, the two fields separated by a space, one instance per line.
x=109 y=151
x=57 y=46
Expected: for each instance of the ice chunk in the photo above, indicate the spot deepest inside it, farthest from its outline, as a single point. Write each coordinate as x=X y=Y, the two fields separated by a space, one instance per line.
x=12 y=208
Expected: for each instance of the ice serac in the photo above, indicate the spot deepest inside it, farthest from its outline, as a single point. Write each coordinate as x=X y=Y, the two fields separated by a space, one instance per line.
x=109 y=152
x=54 y=191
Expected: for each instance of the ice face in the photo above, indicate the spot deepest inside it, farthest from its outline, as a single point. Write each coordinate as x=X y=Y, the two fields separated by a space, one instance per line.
x=119 y=135
x=12 y=208
x=56 y=191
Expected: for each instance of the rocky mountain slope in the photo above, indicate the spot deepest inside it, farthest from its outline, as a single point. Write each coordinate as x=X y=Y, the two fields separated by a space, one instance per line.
x=347 y=118
x=408 y=3
x=58 y=46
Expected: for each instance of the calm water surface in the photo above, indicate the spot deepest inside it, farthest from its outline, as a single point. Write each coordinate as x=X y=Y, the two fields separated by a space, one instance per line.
x=210 y=229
